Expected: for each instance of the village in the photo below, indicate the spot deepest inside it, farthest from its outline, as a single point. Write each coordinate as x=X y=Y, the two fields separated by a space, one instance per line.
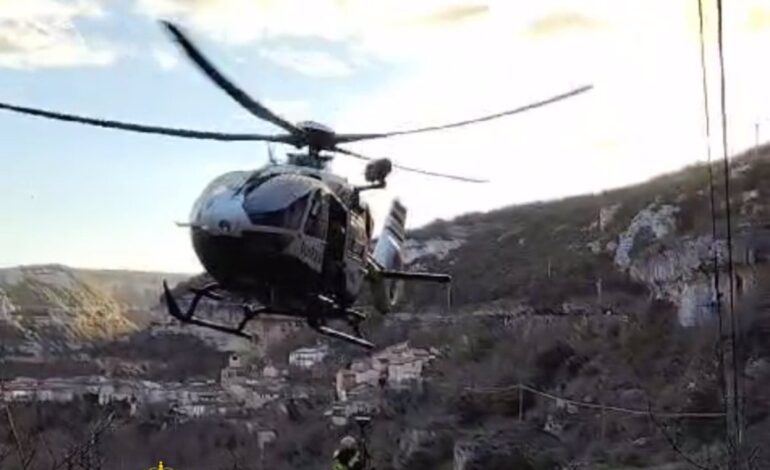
x=244 y=386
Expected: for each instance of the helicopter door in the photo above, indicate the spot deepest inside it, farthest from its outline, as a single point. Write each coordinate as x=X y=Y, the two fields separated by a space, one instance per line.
x=317 y=221
x=334 y=265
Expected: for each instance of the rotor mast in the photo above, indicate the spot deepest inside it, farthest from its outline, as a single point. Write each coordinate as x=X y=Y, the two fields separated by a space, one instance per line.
x=317 y=137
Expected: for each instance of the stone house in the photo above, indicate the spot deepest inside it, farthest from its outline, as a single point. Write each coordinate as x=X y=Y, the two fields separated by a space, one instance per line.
x=306 y=358
x=396 y=367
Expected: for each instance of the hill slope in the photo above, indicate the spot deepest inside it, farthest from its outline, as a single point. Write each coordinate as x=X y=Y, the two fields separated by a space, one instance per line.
x=602 y=251
x=54 y=307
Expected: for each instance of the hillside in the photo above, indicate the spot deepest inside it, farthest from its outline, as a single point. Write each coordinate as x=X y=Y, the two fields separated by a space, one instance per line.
x=601 y=251
x=50 y=308
x=135 y=291
x=603 y=299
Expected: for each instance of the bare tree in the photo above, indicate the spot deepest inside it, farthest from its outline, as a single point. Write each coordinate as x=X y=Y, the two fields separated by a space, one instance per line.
x=235 y=461
x=25 y=445
x=87 y=454
x=672 y=442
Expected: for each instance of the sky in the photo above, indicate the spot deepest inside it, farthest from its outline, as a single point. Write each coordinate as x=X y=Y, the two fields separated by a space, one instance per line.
x=98 y=198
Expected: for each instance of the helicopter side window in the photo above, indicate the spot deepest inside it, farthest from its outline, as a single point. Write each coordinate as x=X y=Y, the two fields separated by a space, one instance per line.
x=318 y=216
x=289 y=218
x=295 y=212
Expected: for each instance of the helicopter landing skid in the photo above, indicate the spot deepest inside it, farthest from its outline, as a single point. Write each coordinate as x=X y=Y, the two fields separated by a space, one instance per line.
x=327 y=305
x=353 y=339
x=208 y=291
x=352 y=317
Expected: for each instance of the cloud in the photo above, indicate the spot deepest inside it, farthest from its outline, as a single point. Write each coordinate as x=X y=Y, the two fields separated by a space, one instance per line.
x=563 y=21
x=455 y=13
x=42 y=33
x=317 y=64
x=244 y=21
x=392 y=28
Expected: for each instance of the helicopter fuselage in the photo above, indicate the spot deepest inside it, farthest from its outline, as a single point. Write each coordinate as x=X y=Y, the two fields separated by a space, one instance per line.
x=283 y=235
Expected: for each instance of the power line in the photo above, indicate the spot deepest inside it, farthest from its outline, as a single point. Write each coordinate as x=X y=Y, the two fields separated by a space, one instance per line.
x=733 y=420
x=599 y=406
x=726 y=169
x=717 y=302
x=621 y=409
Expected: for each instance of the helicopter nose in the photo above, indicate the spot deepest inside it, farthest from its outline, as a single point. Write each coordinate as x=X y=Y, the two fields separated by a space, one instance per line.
x=256 y=257
x=221 y=216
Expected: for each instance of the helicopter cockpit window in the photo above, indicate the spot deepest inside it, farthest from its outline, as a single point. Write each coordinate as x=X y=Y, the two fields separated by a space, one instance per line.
x=227 y=182
x=255 y=180
x=317 y=216
x=279 y=202
x=289 y=217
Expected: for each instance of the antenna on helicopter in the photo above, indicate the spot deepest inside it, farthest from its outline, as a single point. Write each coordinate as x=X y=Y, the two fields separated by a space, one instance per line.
x=271 y=154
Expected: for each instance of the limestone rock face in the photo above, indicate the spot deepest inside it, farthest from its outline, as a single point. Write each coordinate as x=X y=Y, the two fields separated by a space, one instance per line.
x=651 y=223
x=438 y=248
x=674 y=268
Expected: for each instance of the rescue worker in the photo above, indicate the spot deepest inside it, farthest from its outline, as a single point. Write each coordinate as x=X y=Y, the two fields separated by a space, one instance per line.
x=348 y=456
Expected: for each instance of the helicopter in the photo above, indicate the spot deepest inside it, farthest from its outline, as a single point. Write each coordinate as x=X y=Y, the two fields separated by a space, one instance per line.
x=292 y=239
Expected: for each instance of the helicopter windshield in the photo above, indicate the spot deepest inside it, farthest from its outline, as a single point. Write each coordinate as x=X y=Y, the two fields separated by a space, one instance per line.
x=227 y=182
x=279 y=202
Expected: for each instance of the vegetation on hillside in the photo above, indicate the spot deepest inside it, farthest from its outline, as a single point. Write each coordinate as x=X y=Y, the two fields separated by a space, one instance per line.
x=546 y=252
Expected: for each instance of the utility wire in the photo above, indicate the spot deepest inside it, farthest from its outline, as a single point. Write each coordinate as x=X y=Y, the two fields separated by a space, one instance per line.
x=712 y=206
x=599 y=406
x=733 y=319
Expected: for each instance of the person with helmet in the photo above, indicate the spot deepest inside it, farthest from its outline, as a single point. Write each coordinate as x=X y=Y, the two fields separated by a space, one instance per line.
x=348 y=456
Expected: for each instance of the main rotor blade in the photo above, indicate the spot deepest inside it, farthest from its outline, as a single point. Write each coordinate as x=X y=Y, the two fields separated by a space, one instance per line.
x=254 y=107
x=413 y=170
x=127 y=126
x=345 y=138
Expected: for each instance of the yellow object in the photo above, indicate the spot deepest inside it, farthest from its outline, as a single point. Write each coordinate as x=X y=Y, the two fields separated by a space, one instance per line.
x=160 y=467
